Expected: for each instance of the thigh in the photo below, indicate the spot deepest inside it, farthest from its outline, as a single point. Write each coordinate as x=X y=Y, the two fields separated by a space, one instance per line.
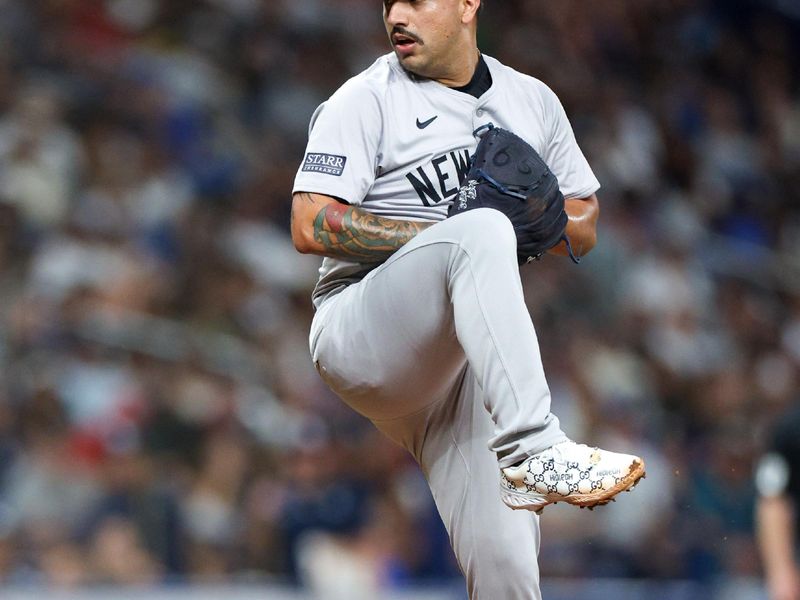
x=387 y=344
x=496 y=547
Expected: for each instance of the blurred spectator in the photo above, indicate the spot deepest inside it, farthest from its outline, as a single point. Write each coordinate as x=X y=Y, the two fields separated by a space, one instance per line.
x=42 y=157
x=117 y=556
x=778 y=482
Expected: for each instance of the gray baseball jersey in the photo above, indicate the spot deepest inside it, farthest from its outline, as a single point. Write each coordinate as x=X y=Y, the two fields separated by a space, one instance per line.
x=398 y=146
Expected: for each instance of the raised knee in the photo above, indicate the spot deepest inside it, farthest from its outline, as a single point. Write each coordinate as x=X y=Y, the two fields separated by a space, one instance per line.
x=487 y=227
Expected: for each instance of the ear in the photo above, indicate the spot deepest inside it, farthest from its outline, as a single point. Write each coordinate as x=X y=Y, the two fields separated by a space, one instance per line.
x=469 y=10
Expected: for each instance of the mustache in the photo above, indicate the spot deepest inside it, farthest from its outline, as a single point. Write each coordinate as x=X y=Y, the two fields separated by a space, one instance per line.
x=403 y=31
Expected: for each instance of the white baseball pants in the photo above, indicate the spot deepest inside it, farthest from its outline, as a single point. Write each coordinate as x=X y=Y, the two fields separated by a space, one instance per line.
x=436 y=348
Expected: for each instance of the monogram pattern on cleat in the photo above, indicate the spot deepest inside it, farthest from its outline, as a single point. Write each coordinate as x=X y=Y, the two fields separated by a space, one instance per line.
x=572 y=473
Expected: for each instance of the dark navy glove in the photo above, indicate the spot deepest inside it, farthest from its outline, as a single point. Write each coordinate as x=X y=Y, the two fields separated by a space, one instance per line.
x=509 y=175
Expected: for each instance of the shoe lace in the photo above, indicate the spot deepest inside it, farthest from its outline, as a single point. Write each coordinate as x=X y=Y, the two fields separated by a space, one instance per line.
x=560 y=451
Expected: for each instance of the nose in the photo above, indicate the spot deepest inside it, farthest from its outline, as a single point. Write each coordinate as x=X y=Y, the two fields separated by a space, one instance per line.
x=396 y=14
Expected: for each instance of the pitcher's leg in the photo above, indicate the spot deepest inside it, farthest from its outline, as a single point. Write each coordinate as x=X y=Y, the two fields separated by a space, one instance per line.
x=395 y=340
x=496 y=548
x=495 y=329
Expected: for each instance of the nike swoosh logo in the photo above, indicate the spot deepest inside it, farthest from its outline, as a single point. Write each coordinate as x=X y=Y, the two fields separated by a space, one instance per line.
x=424 y=124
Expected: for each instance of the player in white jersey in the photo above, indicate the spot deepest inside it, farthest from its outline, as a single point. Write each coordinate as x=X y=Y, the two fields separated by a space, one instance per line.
x=421 y=324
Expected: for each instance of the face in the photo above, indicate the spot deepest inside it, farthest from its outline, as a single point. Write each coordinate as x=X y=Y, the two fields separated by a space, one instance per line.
x=429 y=36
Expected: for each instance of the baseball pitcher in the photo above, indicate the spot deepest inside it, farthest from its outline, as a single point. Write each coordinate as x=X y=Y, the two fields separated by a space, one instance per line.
x=428 y=180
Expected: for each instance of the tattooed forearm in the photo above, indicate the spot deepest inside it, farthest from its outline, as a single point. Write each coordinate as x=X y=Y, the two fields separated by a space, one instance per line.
x=353 y=234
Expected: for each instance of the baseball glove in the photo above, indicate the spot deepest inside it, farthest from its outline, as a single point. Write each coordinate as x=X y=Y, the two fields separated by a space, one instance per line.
x=507 y=174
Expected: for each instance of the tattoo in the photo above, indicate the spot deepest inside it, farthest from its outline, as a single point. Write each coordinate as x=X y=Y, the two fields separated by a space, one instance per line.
x=350 y=233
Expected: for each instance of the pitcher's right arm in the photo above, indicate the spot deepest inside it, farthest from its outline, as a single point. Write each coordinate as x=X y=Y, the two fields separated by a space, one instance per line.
x=326 y=226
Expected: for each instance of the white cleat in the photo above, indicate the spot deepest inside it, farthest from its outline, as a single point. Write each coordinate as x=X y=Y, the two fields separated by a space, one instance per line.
x=571 y=473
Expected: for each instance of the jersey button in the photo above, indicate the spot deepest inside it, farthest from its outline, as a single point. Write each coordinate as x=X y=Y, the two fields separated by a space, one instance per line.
x=479 y=113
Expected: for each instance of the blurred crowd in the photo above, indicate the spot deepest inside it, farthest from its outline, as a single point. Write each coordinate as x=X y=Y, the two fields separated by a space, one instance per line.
x=160 y=419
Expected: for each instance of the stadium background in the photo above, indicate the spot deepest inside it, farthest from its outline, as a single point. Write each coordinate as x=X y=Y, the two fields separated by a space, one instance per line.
x=160 y=423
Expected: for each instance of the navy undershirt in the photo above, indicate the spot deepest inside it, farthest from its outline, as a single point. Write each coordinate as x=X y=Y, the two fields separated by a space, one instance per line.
x=480 y=82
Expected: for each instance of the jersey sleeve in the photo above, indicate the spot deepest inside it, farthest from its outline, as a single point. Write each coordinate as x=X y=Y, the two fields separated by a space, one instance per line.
x=562 y=153
x=343 y=140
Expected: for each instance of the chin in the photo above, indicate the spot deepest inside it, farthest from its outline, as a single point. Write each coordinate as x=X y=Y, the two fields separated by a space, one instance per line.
x=413 y=64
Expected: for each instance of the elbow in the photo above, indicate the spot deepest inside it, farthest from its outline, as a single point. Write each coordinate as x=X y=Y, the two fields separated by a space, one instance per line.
x=300 y=238
x=582 y=242
x=300 y=246
x=589 y=242
x=302 y=224
x=301 y=242
x=589 y=231
x=582 y=225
